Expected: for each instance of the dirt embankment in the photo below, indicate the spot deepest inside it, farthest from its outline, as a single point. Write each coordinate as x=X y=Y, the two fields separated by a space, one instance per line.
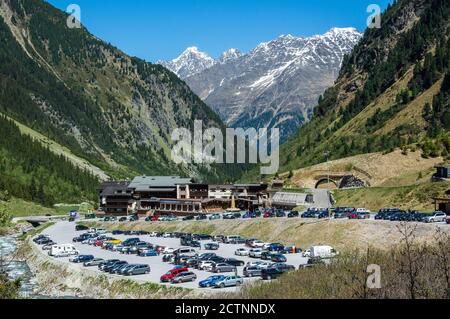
x=376 y=169
x=341 y=234
x=59 y=279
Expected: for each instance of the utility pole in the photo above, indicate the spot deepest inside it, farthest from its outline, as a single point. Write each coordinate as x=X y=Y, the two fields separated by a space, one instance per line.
x=327 y=156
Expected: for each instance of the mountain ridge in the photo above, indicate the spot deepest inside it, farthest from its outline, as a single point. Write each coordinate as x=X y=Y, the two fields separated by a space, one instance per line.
x=277 y=83
x=395 y=74
x=113 y=110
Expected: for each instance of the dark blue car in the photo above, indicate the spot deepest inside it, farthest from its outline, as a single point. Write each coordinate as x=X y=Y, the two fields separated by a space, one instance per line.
x=275 y=247
x=210 y=281
x=149 y=253
x=82 y=259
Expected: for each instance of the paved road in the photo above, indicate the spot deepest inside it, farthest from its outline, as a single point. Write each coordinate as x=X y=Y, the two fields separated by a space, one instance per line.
x=63 y=232
x=321 y=198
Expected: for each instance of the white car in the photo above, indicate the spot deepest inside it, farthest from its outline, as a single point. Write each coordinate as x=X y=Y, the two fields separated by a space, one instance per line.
x=259 y=264
x=206 y=265
x=258 y=244
x=242 y=252
x=167 y=235
x=255 y=253
x=153 y=234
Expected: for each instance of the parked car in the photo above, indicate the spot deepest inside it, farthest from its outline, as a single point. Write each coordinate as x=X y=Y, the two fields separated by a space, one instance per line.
x=280 y=213
x=149 y=253
x=266 y=255
x=269 y=215
x=205 y=265
x=436 y=217
x=119 y=268
x=278 y=258
x=187 y=218
x=48 y=245
x=107 y=263
x=252 y=271
x=234 y=262
x=113 y=268
x=210 y=281
x=274 y=272
x=260 y=264
x=229 y=281
x=207 y=256
x=168 y=276
x=41 y=238
x=134 y=270
x=211 y=246
x=195 y=244
x=293 y=214
x=81 y=259
x=185 y=276
x=241 y=252
x=93 y=262
x=214 y=217
x=223 y=267
x=201 y=217
x=275 y=247
x=255 y=253
x=249 y=215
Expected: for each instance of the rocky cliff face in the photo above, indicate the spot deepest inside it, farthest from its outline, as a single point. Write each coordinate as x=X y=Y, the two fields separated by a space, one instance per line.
x=276 y=84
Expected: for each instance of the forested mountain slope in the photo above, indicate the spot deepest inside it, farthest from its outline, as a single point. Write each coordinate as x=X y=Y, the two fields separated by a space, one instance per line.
x=115 y=111
x=393 y=91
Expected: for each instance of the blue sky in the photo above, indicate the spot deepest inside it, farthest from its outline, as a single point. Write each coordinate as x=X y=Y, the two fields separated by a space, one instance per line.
x=162 y=29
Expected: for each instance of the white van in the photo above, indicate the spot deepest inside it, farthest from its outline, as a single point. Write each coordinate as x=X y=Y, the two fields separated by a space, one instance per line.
x=63 y=251
x=322 y=252
x=229 y=239
x=185 y=252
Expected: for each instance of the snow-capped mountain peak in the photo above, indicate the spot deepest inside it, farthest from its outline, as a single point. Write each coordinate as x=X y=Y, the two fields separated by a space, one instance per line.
x=230 y=55
x=276 y=84
x=190 y=62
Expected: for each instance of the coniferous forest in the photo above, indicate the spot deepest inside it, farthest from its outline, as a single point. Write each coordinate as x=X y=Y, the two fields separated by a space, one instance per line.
x=30 y=171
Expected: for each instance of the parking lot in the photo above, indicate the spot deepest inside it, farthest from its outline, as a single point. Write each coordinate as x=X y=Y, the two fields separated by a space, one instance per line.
x=64 y=232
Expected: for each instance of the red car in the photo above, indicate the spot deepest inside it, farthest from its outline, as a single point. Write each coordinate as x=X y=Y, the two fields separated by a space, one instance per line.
x=268 y=215
x=448 y=220
x=98 y=243
x=353 y=215
x=167 y=277
x=155 y=218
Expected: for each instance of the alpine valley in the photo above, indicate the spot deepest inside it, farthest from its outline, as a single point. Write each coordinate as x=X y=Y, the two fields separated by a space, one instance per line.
x=73 y=96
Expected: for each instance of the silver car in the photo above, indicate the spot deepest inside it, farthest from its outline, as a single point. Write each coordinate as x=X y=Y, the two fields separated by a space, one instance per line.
x=229 y=281
x=185 y=276
x=93 y=262
x=255 y=253
x=436 y=217
x=223 y=267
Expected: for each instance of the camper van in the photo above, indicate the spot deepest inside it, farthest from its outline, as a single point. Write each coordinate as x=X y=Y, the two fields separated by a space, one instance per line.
x=63 y=251
x=322 y=252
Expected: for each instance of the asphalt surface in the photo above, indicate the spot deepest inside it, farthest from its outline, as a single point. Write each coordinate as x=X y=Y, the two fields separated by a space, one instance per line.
x=64 y=232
